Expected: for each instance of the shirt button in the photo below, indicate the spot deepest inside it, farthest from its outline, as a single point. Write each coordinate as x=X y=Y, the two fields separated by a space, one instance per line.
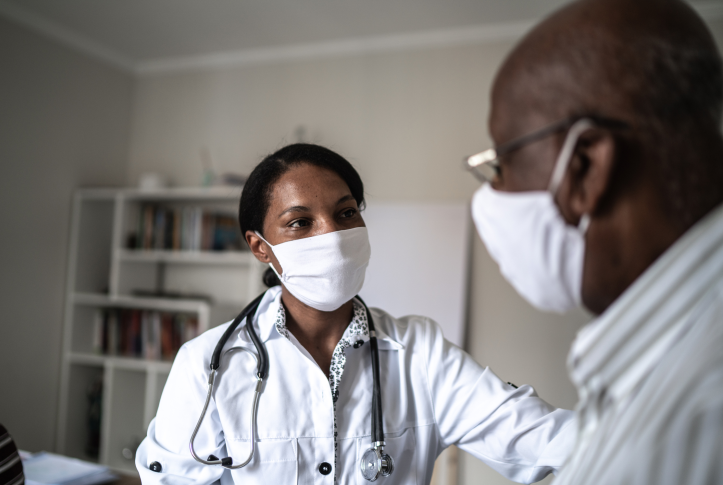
x=325 y=468
x=155 y=467
x=358 y=344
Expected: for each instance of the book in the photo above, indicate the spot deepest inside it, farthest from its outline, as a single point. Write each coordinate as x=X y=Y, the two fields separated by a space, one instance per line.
x=189 y=228
x=112 y=333
x=147 y=234
x=144 y=334
x=159 y=229
x=98 y=317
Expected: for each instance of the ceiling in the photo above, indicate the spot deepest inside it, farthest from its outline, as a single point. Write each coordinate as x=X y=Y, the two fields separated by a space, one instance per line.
x=150 y=29
x=137 y=31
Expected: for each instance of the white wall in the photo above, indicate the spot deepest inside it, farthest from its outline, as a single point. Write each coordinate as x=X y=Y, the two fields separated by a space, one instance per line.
x=405 y=120
x=63 y=124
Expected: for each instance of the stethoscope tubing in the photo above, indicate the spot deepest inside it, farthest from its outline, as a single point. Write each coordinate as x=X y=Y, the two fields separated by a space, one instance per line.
x=263 y=359
x=262 y=367
x=257 y=392
x=377 y=416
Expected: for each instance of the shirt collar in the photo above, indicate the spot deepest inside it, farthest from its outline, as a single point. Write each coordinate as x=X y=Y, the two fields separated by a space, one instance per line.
x=626 y=341
x=384 y=341
x=356 y=330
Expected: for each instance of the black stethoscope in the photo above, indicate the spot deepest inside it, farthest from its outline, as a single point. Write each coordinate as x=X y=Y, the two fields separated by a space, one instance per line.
x=374 y=461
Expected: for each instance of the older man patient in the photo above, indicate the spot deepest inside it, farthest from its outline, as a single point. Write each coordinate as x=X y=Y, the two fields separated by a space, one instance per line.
x=605 y=190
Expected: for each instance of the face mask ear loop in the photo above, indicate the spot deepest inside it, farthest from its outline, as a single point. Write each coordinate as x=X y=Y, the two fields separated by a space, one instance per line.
x=583 y=224
x=563 y=160
x=272 y=248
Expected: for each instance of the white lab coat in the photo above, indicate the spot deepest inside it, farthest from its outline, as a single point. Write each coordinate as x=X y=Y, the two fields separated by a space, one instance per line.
x=434 y=395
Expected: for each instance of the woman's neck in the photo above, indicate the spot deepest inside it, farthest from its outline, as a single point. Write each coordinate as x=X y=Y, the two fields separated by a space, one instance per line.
x=319 y=332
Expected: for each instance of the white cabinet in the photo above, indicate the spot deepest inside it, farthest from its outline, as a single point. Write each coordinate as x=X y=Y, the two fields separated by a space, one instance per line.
x=110 y=392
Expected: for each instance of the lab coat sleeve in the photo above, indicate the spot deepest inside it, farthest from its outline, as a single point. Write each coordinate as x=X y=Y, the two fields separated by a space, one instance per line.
x=512 y=430
x=169 y=433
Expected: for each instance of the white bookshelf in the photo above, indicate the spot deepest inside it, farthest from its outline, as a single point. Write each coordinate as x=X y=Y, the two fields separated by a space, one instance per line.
x=188 y=257
x=105 y=274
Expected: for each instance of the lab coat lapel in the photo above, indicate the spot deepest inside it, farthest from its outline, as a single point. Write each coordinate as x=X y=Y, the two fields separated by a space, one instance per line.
x=263 y=320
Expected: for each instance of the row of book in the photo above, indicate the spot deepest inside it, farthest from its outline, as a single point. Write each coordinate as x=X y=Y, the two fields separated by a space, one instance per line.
x=189 y=228
x=142 y=333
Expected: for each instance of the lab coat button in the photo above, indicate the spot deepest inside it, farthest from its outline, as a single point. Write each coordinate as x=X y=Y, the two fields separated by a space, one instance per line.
x=325 y=468
x=155 y=467
x=358 y=344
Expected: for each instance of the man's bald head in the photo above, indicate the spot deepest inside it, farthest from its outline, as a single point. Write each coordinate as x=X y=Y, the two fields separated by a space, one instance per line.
x=651 y=63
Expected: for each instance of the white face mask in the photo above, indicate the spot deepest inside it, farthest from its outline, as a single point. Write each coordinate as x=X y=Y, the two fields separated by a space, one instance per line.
x=324 y=271
x=537 y=251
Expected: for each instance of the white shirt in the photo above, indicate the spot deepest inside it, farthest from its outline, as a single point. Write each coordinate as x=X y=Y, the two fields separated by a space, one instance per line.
x=433 y=395
x=650 y=373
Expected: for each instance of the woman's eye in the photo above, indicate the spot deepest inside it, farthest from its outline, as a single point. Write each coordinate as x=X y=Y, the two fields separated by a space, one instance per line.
x=348 y=213
x=299 y=223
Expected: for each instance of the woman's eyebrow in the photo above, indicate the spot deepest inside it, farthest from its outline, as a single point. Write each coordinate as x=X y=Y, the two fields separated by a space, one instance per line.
x=301 y=208
x=296 y=208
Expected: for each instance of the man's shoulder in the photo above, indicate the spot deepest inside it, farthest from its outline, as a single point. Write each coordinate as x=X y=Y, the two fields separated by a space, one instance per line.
x=689 y=379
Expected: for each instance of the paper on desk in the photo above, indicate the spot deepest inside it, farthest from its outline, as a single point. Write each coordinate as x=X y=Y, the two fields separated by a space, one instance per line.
x=50 y=469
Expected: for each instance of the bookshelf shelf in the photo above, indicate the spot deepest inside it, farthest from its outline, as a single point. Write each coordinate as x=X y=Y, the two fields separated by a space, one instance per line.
x=141 y=303
x=126 y=363
x=186 y=194
x=186 y=257
x=102 y=288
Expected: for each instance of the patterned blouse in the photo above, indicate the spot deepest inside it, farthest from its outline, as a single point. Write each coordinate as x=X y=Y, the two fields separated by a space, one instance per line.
x=357 y=330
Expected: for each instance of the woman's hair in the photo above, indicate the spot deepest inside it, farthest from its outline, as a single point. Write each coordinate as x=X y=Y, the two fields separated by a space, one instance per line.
x=256 y=194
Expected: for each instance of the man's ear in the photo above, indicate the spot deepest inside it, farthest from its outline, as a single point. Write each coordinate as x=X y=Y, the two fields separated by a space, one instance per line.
x=589 y=175
x=258 y=247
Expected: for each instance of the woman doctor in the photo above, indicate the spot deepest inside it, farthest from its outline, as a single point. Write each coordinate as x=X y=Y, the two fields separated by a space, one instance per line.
x=300 y=212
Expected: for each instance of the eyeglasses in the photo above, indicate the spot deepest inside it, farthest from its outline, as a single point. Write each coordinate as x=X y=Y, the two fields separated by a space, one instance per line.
x=486 y=165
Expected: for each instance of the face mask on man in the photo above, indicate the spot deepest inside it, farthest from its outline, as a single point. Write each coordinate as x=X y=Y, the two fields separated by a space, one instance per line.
x=324 y=271
x=537 y=251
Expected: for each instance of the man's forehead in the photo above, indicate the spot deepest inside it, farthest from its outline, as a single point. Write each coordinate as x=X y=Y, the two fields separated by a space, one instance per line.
x=519 y=105
x=543 y=80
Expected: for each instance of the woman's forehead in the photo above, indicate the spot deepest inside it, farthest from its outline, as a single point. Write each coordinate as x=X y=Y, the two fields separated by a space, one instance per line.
x=308 y=184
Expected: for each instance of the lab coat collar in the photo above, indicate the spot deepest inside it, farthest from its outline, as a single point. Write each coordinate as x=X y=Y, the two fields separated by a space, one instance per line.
x=384 y=340
x=265 y=323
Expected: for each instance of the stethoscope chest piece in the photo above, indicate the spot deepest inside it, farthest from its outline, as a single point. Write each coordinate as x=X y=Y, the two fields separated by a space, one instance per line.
x=374 y=463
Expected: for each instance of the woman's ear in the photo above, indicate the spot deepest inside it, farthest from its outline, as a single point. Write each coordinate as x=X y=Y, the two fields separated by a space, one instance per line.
x=589 y=175
x=258 y=247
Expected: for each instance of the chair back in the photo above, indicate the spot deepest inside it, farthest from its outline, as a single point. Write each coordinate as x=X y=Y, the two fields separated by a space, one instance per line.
x=11 y=466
